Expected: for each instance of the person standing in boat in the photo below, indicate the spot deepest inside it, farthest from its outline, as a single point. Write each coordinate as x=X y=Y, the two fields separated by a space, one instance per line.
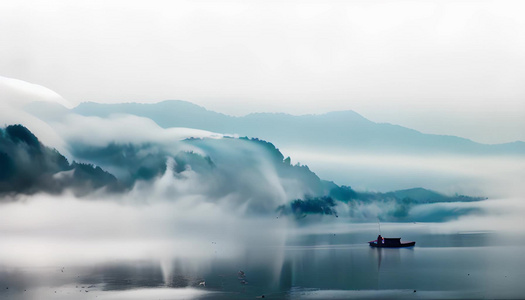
x=379 y=240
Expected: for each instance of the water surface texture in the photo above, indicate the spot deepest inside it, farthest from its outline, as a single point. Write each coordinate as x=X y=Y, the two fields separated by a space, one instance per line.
x=326 y=262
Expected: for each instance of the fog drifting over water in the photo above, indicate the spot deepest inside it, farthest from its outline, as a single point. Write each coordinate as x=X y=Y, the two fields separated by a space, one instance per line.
x=44 y=230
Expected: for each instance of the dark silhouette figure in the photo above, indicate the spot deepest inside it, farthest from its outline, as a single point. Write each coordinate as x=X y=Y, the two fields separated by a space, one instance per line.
x=379 y=240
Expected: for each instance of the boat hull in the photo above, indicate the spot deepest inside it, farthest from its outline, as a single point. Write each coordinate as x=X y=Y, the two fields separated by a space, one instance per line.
x=400 y=245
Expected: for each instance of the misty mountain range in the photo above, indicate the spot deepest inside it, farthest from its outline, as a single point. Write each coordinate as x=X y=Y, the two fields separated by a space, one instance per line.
x=345 y=131
x=28 y=167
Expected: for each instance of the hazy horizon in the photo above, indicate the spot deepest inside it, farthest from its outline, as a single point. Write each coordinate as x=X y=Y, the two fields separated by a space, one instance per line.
x=18 y=93
x=444 y=67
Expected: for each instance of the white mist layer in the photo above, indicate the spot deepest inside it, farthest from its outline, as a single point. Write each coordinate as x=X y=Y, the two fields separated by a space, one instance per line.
x=490 y=176
x=44 y=230
x=122 y=128
x=19 y=93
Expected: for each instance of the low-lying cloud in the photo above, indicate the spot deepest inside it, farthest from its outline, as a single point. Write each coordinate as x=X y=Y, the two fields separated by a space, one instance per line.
x=128 y=158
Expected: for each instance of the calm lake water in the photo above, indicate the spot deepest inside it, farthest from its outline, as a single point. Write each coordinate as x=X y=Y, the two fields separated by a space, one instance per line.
x=332 y=261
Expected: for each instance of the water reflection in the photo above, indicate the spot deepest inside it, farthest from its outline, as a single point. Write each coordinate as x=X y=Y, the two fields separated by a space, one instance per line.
x=469 y=265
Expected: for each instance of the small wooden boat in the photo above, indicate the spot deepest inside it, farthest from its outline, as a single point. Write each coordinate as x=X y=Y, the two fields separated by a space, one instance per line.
x=391 y=243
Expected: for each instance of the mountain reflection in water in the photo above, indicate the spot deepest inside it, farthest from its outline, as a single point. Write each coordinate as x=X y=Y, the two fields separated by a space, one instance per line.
x=313 y=266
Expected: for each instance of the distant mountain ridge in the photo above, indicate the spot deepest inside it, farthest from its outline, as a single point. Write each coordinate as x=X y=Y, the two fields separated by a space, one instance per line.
x=340 y=130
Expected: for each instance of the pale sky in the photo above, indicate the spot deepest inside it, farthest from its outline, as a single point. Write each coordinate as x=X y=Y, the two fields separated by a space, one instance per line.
x=446 y=67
